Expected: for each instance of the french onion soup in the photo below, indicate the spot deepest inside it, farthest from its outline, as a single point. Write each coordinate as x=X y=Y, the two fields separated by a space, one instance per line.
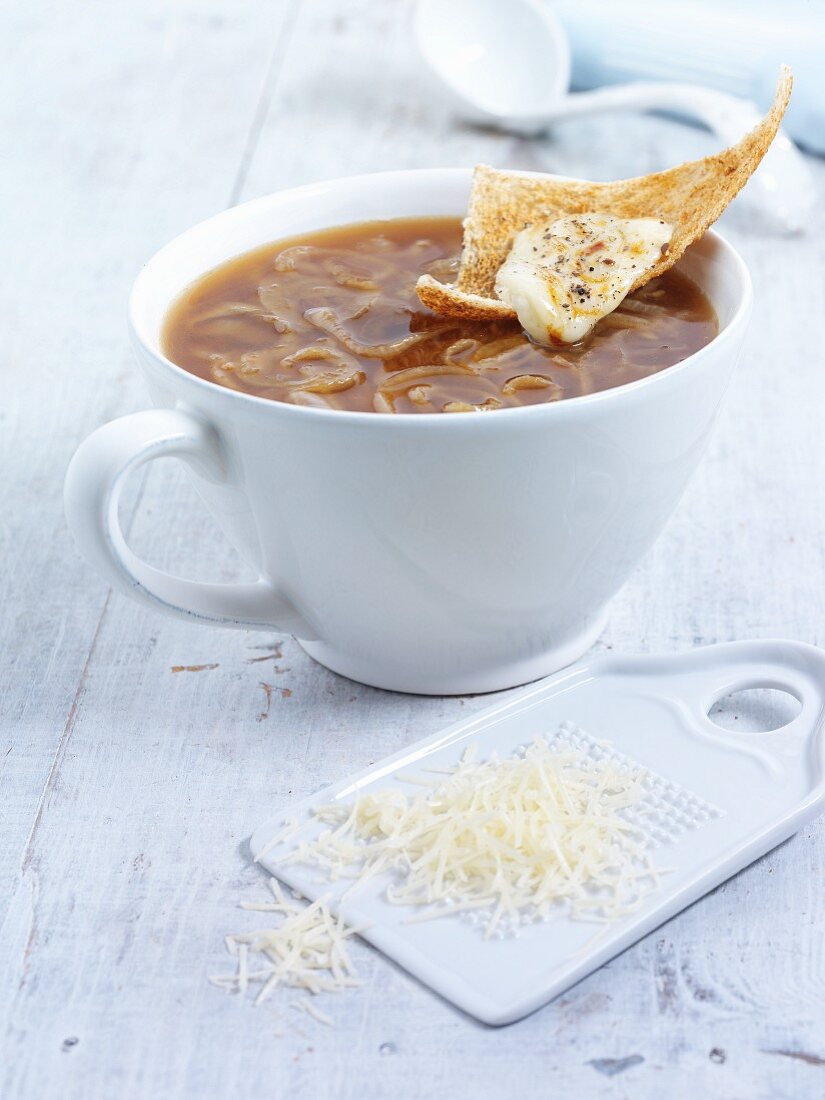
x=332 y=319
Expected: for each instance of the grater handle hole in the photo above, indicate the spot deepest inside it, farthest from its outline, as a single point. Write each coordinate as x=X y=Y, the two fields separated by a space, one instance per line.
x=755 y=710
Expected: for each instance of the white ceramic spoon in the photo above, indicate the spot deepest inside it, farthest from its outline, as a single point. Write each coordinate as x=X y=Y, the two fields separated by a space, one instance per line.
x=508 y=66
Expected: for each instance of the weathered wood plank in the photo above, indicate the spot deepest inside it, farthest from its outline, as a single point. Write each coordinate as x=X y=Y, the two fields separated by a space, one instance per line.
x=116 y=145
x=110 y=117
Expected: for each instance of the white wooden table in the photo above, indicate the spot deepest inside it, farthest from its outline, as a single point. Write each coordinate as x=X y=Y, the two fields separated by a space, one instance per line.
x=123 y=124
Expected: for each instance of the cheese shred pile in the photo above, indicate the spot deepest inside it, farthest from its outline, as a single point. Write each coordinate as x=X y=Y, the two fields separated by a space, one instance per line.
x=546 y=831
x=517 y=839
x=304 y=950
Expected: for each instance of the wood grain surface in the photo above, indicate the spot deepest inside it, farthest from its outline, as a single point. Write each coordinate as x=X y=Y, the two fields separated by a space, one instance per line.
x=130 y=742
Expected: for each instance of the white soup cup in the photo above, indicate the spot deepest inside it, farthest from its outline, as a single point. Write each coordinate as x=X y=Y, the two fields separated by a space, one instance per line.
x=422 y=553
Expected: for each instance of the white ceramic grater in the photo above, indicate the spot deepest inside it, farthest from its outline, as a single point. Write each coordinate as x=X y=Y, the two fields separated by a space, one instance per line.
x=719 y=799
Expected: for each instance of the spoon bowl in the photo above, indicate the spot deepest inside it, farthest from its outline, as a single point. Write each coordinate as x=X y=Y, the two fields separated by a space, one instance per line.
x=501 y=64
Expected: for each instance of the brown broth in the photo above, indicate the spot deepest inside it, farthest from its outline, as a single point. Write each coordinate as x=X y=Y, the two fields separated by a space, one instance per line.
x=332 y=319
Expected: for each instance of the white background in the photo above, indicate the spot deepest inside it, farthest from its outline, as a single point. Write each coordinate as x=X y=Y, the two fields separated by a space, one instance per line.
x=122 y=124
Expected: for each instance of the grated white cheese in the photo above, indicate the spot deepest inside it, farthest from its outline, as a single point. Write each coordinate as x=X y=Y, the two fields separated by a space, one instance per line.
x=305 y=950
x=519 y=837
x=506 y=841
x=309 y=1008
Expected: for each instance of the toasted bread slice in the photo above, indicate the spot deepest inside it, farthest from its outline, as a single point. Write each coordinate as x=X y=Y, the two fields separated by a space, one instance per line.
x=690 y=197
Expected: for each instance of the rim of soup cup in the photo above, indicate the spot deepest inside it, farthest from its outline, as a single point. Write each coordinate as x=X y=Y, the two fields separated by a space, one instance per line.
x=567 y=407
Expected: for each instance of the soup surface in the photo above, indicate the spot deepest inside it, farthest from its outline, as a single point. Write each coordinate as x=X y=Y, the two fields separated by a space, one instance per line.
x=332 y=319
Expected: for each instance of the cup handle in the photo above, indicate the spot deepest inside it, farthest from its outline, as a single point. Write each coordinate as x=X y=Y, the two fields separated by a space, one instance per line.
x=92 y=490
